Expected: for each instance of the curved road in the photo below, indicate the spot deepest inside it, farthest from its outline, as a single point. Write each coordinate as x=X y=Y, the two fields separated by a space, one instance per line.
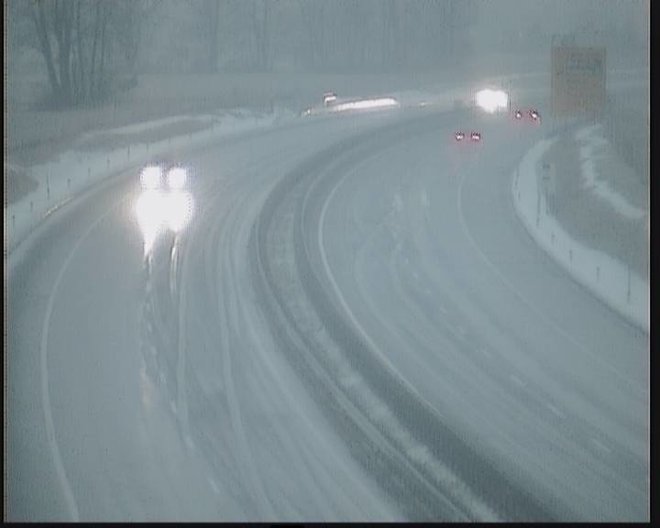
x=354 y=326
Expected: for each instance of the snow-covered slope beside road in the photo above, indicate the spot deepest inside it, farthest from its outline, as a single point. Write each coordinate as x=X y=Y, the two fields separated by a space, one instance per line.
x=608 y=278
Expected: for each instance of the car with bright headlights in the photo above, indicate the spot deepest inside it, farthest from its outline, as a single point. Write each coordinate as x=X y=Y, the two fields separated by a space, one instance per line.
x=163 y=176
x=492 y=100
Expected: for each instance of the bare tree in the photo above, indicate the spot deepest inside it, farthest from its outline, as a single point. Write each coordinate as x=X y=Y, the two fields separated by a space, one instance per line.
x=126 y=19
x=213 y=8
x=260 y=15
x=351 y=18
x=80 y=39
x=391 y=33
x=38 y=12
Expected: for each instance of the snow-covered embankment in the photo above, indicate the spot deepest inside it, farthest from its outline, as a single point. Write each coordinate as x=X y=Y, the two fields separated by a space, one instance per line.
x=607 y=278
x=74 y=171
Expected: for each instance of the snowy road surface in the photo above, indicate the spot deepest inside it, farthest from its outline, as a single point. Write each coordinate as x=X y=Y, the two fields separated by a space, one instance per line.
x=355 y=326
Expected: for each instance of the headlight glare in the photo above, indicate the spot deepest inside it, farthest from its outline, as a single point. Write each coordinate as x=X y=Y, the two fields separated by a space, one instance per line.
x=176 y=178
x=150 y=177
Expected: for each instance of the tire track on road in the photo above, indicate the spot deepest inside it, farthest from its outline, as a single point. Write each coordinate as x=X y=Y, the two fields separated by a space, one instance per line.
x=310 y=357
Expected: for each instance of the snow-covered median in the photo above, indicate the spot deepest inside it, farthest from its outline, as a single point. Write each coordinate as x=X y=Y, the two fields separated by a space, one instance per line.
x=608 y=278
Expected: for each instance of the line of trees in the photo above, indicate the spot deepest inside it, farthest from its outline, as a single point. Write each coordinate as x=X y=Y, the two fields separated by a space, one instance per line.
x=92 y=48
x=84 y=44
x=318 y=35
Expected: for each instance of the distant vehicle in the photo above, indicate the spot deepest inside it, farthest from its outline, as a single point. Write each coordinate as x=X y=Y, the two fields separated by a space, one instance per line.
x=163 y=176
x=329 y=98
x=474 y=136
x=531 y=113
x=492 y=100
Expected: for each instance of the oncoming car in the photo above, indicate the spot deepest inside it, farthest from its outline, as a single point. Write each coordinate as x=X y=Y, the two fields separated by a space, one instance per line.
x=164 y=202
x=491 y=100
x=163 y=176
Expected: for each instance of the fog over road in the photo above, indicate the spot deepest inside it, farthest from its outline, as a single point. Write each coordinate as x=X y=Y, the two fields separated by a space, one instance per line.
x=354 y=326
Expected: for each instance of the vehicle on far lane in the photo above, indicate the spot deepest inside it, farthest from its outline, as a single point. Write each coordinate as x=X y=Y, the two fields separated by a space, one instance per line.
x=531 y=113
x=474 y=136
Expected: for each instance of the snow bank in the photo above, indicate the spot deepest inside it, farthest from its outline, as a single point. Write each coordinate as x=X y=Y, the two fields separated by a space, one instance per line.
x=590 y=152
x=74 y=171
x=608 y=279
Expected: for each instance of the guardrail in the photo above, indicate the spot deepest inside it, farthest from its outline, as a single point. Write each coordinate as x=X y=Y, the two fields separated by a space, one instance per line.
x=61 y=180
x=607 y=278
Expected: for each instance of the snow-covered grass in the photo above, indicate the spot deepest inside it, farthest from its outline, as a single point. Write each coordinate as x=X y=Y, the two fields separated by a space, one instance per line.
x=159 y=96
x=73 y=171
x=590 y=153
x=608 y=278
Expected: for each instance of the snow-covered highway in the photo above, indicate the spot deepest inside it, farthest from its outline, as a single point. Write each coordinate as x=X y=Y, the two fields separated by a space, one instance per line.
x=355 y=326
